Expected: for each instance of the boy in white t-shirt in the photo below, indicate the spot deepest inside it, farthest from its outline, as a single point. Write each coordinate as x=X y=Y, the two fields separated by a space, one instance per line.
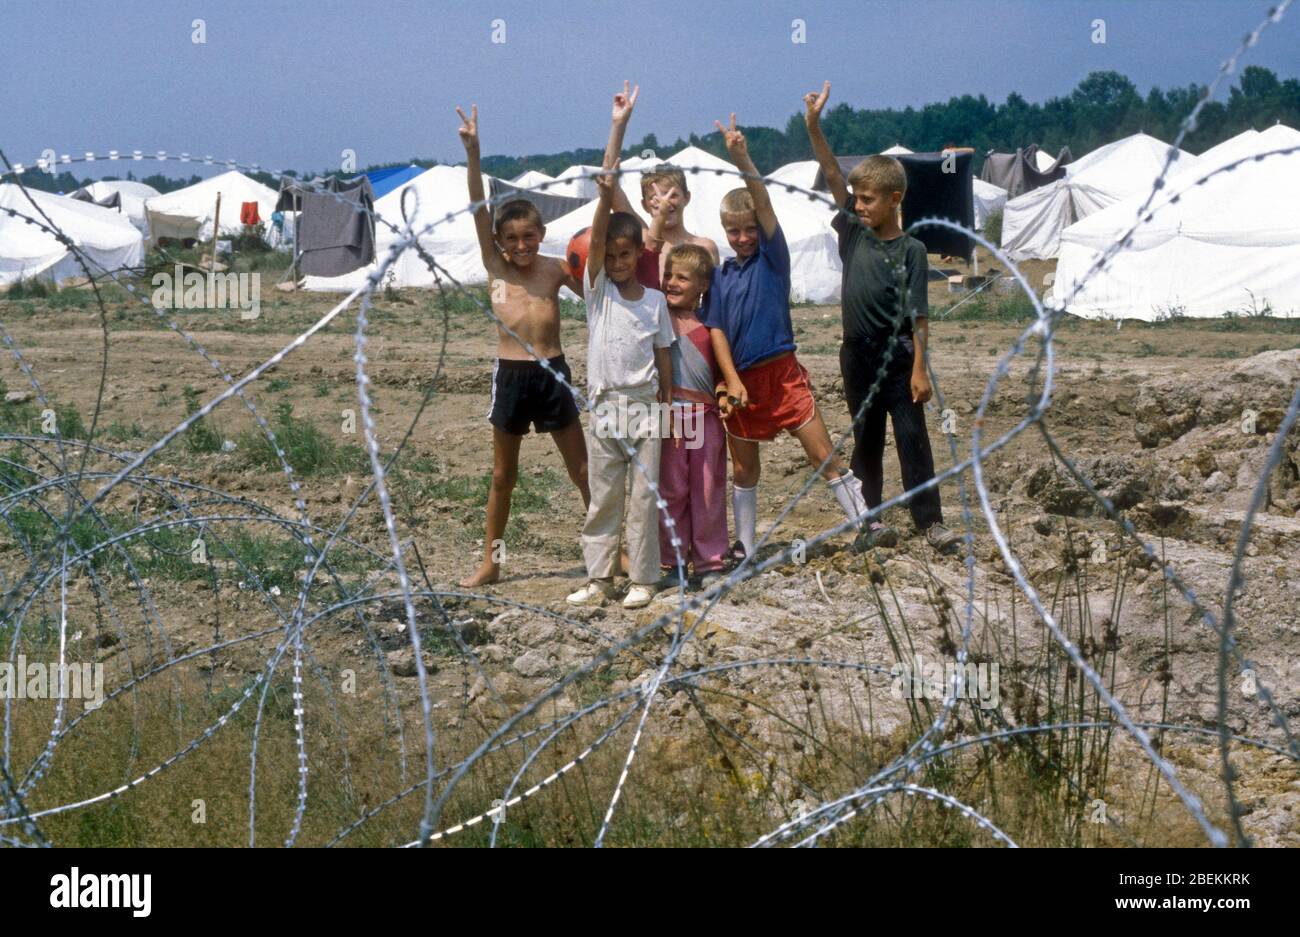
x=629 y=378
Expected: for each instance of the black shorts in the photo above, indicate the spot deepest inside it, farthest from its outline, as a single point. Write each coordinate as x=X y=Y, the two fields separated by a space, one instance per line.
x=524 y=392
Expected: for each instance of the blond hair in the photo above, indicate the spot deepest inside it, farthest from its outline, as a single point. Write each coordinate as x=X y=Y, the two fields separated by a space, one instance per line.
x=737 y=202
x=664 y=172
x=694 y=258
x=882 y=173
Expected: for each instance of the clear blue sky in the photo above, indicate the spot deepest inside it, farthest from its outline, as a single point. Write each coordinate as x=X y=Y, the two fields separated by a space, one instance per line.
x=289 y=84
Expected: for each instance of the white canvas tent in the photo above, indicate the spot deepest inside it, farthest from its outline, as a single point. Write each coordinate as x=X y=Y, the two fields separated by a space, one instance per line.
x=988 y=198
x=454 y=244
x=1032 y=223
x=133 y=196
x=896 y=150
x=815 y=266
x=188 y=212
x=574 y=184
x=1044 y=160
x=1224 y=239
x=802 y=173
x=105 y=237
x=532 y=178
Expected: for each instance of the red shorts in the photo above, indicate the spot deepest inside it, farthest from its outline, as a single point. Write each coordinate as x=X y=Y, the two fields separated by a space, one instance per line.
x=780 y=398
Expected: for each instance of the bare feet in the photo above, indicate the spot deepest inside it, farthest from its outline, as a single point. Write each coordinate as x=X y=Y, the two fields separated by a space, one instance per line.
x=484 y=575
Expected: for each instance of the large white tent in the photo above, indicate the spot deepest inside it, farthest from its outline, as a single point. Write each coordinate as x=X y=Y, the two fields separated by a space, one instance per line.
x=105 y=237
x=815 y=265
x=434 y=194
x=132 y=195
x=1032 y=223
x=188 y=212
x=1230 y=241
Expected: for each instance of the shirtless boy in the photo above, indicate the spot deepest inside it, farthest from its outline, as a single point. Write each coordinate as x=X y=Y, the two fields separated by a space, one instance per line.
x=524 y=286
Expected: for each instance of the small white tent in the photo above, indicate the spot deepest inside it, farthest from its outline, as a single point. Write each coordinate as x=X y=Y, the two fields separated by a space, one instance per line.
x=532 y=178
x=1044 y=160
x=1229 y=235
x=989 y=198
x=576 y=182
x=104 y=236
x=896 y=150
x=815 y=266
x=1032 y=223
x=188 y=212
x=802 y=174
x=133 y=196
x=435 y=193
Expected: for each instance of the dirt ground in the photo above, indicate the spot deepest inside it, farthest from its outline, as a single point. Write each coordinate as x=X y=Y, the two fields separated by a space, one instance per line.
x=1150 y=412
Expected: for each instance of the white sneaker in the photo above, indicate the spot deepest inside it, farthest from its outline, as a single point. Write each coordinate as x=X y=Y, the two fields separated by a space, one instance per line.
x=637 y=597
x=594 y=592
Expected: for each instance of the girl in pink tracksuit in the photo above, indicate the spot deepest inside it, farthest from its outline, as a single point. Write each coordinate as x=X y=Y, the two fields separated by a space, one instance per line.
x=693 y=464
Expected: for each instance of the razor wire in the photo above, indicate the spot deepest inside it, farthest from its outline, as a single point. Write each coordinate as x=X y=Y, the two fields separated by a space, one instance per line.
x=55 y=559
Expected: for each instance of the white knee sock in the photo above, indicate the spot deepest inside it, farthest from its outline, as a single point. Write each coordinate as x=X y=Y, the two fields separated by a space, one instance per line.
x=744 y=507
x=848 y=492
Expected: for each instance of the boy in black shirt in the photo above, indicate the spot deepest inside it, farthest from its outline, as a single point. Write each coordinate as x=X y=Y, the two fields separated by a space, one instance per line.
x=883 y=294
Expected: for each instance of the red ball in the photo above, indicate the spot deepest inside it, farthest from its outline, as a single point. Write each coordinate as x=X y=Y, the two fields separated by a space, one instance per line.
x=576 y=254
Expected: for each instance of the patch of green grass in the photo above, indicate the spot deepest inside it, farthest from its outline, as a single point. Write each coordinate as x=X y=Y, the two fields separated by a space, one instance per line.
x=201 y=436
x=1014 y=307
x=118 y=431
x=30 y=289
x=15 y=474
x=993 y=227
x=278 y=384
x=307 y=447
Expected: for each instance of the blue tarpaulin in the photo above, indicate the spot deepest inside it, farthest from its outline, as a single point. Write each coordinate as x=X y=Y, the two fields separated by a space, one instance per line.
x=383 y=181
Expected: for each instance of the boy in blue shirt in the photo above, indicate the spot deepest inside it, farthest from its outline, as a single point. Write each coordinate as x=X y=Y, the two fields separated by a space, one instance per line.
x=747 y=311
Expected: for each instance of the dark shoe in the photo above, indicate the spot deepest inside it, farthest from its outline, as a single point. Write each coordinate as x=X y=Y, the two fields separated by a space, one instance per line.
x=734 y=557
x=942 y=539
x=871 y=537
x=668 y=578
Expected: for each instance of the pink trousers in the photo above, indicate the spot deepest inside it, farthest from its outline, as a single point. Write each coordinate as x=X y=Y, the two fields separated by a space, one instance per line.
x=693 y=480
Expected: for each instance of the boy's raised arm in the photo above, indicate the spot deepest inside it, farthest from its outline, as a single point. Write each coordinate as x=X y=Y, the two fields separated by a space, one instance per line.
x=738 y=150
x=482 y=223
x=814 y=102
x=600 y=225
x=624 y=102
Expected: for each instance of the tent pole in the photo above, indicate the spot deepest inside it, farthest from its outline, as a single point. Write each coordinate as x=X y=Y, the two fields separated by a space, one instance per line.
x=297 y=234
x=216 y=233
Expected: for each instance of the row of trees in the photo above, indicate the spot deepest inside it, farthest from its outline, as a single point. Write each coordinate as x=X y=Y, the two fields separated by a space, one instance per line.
x=1104 y=107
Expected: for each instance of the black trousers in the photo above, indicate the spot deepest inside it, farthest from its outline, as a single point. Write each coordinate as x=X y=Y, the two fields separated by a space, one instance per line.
x=859 y=362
